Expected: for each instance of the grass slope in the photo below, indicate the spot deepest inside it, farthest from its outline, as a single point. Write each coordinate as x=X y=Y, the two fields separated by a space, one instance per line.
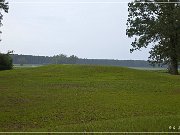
x=88 y=98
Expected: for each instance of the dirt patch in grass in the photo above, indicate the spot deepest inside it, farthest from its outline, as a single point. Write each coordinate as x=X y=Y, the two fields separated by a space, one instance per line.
x=63 y=86
x=17 y=100
x=176 y=91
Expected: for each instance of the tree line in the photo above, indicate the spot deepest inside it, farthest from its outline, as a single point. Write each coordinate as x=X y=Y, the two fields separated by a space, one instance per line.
x=43 y=60
x=64 y=59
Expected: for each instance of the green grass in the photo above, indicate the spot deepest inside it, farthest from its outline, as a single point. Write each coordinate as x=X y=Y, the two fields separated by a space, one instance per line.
x=88 y=98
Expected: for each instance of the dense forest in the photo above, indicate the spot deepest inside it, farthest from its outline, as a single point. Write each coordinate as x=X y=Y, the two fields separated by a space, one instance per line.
x=64 y=59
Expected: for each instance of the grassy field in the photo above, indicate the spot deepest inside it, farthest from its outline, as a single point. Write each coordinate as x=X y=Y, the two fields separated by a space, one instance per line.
x=88 y=98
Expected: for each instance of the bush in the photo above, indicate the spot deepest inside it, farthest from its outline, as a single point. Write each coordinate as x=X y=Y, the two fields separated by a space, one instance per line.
x=5 y=62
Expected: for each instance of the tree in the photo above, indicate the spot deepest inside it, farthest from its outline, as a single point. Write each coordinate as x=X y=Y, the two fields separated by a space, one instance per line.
x=60 y=59
x=3 y=6
x=72 y=59
x=156 y=23
x=5 y=61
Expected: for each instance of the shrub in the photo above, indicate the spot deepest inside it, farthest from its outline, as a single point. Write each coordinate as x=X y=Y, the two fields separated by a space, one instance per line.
x=5 y=62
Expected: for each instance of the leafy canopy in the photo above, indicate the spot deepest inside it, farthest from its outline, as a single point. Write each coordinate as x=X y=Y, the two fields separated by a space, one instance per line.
x=156 y=23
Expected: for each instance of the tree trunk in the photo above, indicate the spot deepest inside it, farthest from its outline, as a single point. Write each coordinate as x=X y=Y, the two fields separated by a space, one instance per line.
x=173 y=41
x=174 y=66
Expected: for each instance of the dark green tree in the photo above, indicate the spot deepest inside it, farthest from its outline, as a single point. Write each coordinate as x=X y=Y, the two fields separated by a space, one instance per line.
x=156 y=23
x=6 y=61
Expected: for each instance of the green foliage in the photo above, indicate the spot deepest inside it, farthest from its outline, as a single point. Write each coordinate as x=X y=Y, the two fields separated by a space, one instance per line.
x=5 y=61
x=88 y=98
x=156 y=23
x=73 y=59
x=59 y=59
x=64 y=59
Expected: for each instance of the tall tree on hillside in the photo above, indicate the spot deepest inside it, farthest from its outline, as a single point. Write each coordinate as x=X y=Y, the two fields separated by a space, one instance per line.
x=156 y=22
x=3 y=7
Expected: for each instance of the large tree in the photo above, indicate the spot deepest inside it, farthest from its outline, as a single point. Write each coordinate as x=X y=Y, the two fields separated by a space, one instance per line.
x=3 y=7
x=156 y=23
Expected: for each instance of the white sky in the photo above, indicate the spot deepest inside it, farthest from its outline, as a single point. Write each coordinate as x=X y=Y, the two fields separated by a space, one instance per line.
x=72 y=27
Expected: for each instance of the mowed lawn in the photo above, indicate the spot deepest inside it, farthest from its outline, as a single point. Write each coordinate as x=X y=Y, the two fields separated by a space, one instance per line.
x=88 y=98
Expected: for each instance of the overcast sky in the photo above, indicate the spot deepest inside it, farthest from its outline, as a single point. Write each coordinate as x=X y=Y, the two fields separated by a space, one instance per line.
x=71 y=27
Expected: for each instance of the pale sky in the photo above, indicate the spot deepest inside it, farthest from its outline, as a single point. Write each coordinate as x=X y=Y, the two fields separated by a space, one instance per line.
x=85 y=28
